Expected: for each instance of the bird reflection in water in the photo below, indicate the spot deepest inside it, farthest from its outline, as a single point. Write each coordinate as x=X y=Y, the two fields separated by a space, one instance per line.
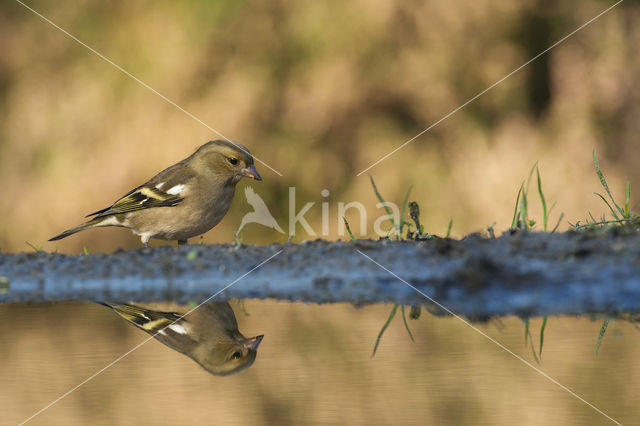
x=209 y=334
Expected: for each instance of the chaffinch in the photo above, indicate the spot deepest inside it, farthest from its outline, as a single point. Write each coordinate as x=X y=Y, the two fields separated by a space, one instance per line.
x=208 y=334
x=182 y=201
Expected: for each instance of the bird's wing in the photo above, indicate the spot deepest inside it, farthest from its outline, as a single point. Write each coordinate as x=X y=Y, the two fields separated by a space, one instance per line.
x=170 y=328
x=163 y=190
x=146 y=319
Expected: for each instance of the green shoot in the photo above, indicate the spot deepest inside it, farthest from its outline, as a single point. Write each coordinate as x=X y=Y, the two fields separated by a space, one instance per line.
x=544 y=324
x=515 y=221
x=346 y=224
x=527 y=336
x=404 y=319
x=387 y=209
x=448 y=234
x=521 y=219
x=601 y=335
x=85 y=251
x=35 y=248
x=623 y=212
x=545 y=213
x=384 y=328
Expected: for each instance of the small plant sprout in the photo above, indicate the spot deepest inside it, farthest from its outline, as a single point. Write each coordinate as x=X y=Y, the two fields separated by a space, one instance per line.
x=620 y=214
x=346 y=224
x=35 y=248
x=396 y=226
x=521 y=219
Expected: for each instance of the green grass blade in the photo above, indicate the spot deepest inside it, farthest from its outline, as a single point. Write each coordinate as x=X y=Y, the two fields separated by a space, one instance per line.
x=613 y=212
x=348 y=228
x=384 y=328
x=384 y=204
x=558 y=224
x=601 y=335
x=35 y=248
x=603 y=181
x=404 y=319
x=449 y=227
x=545 y=213
x=514 y=221
x=524 y=207
x=544 y=324
x=626 y=201
x=527 y=335
x=402 y=212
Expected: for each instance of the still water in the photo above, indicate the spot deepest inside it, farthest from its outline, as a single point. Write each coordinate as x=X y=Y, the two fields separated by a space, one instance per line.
x=314 y=366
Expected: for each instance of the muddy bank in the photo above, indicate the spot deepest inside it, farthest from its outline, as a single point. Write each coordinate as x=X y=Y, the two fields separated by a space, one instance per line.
x=527 y=274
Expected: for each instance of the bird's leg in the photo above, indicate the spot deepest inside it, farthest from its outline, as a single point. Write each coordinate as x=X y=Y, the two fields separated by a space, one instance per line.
x=146 y=244
x=182 y=242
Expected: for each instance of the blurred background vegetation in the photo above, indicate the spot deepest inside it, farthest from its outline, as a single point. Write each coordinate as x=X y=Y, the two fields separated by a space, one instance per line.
x=319 y=91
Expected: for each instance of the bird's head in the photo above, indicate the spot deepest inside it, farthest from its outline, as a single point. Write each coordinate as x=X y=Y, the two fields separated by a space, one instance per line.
x=228 y=160
x=230 y=357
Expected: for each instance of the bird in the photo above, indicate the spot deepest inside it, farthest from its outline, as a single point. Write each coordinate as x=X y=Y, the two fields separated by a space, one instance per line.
x=182 y=201
x=208 y=334
x=260 y=213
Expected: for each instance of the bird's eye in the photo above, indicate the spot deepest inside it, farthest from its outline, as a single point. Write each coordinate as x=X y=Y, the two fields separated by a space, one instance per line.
x=233 y=160
x=236 y=355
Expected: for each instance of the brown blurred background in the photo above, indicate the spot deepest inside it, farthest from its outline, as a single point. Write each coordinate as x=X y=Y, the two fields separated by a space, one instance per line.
x=319 y=91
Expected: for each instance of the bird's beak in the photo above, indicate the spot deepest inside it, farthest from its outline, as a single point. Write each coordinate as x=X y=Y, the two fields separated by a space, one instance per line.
x=253 y=342
x=251 y=172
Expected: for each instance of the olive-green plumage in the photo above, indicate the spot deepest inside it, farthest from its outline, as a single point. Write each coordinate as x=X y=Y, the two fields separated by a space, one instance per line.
x=182 y=201
x=208 y=334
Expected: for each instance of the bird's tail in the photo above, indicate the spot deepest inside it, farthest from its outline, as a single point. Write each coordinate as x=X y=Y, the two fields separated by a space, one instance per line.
x=90 y=224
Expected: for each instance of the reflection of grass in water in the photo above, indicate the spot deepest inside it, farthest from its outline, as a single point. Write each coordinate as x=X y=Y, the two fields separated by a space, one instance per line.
x=601 y=334
x=622 y=216
x=398 y=226
x=522 y=220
